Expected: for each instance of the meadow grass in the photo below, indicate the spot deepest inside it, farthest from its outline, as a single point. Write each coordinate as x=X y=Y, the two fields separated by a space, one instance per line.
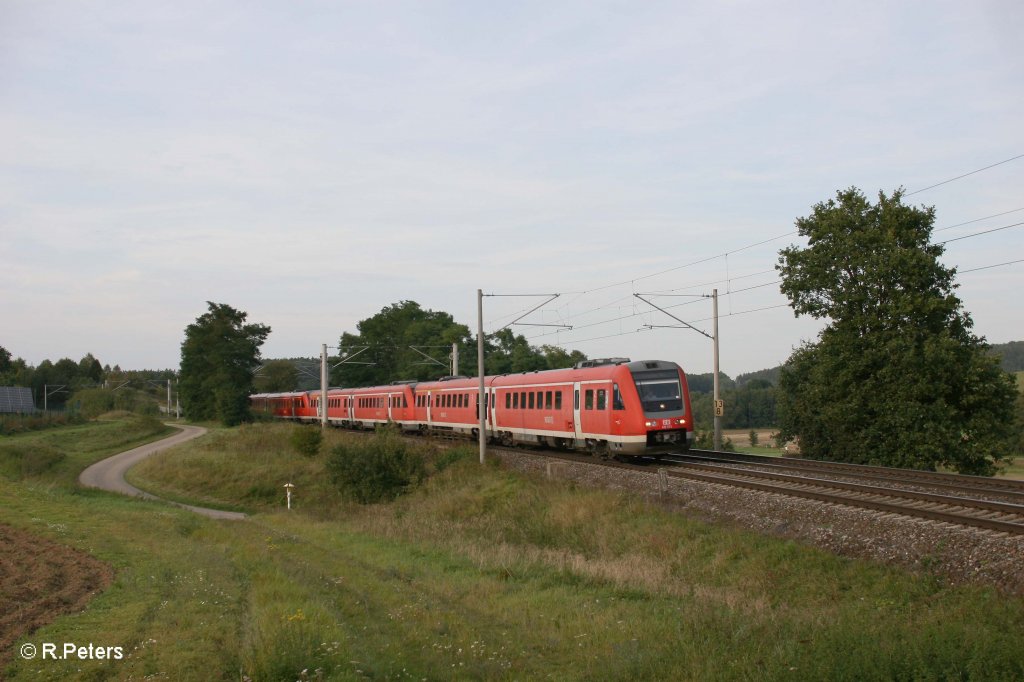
x=480 y=573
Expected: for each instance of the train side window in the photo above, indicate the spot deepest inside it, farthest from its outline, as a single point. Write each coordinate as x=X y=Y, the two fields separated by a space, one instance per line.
x=588 y=401
x=540 y=400
x=508 y=401
x=547 y=400
x=531 y=399
x=515 y=401
x=576 y=399
x=522 y=400
x=602 y=399
x=558 y=400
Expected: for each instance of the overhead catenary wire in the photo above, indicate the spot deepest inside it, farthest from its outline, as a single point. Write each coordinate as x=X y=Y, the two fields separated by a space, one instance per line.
x=729 y=278
x=960 y=177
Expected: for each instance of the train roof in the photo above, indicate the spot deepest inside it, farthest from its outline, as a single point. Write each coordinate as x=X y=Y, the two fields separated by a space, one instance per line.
x=601 y=368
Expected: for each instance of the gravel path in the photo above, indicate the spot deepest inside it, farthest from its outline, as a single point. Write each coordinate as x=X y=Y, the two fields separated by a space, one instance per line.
x=108 y=474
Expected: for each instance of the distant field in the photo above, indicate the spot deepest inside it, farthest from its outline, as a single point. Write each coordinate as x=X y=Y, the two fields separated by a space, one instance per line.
x=479 y=574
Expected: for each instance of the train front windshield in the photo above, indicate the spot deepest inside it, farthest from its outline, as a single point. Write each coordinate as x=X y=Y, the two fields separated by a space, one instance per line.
x=659 y=391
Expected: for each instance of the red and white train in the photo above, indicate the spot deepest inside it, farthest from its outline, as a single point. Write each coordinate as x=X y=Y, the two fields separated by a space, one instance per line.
x=611 y=406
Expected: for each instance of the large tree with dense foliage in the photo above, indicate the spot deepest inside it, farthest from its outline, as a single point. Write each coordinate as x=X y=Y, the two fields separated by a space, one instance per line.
x=397 y=341
x=896 y=377
x=398 y=338
x=219 y=356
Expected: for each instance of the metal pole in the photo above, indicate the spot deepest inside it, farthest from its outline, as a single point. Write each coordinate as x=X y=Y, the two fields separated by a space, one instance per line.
x=455 y=359
x=718 y=420
x=323 y=386
x=480 y=371
x=177 y=401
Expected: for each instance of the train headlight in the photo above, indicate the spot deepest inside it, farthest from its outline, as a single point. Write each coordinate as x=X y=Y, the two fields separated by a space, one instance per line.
x=651 y=423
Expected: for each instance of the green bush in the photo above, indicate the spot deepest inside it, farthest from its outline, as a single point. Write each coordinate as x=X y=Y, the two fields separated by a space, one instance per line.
x=377 y=469
x=307 y=440
x=705 y=440
x=448 y=457
x=92 y=402
x=20 y=423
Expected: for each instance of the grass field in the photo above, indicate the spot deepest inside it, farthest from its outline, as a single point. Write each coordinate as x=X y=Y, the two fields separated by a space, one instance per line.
x=479 y=574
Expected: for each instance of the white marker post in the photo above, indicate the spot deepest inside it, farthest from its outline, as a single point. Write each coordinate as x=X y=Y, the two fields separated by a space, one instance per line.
x=288 y=491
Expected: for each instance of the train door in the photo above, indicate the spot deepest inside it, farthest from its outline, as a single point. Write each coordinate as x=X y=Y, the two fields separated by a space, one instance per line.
x=577 y=427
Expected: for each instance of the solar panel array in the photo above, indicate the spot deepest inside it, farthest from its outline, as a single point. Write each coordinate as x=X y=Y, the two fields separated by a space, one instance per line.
x=16 y=399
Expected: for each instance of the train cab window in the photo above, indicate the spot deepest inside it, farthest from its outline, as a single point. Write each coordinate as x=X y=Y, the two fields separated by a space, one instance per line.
x=602 y=399
x=531 y=399
x=588 y=402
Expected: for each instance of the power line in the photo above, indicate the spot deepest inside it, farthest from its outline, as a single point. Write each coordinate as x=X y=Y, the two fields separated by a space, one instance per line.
x=978 y=234
x=989 y=267
x=978 y=220
x=944 y=182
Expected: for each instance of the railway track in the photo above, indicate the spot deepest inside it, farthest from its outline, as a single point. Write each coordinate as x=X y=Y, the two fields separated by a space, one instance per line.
x=891 y=491
x=978 y=486
x=886 y=494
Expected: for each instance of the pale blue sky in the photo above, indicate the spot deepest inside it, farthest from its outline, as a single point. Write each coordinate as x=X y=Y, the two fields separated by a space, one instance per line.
x=313 y=162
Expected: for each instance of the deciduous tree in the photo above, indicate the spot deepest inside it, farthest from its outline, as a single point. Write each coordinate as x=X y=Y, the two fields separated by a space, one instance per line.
x=219 y=355
x=896 y=377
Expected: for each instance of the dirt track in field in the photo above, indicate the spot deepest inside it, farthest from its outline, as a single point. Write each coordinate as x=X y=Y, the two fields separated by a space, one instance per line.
x=39 y=581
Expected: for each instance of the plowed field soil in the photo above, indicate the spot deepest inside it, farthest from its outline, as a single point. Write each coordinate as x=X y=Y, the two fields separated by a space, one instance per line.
x=40 y=580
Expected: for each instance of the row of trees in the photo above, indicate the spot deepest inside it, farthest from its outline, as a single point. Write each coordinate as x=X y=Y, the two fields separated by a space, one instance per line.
x=85 y=384
x=403 y=341
x=221 y=364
